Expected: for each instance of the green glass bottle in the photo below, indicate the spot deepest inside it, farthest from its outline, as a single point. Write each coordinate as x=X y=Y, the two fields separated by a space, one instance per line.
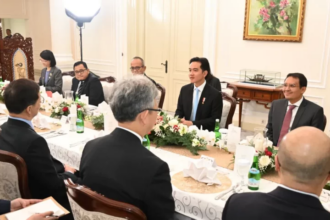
x=146 y=142
x=1 y=79
x=254 y=174
x=216 y=130
x=80 y=121
x=77 y=99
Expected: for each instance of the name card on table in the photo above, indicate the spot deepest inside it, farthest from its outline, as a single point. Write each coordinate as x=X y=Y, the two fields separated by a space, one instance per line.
x=233 y=138
x=208 y=161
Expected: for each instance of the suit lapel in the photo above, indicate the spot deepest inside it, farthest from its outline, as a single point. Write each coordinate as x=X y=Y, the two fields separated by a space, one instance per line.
x=300 y=112
x=282 y=113
x=189 y=99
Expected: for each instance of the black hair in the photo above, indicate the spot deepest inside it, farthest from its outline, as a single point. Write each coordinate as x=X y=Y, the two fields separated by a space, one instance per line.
x=78 y=63
x=205 y=65
x=302 y=78
x=48 y=55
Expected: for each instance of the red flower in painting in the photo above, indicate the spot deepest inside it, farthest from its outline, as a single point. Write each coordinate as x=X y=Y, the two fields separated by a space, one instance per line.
x=65 y=109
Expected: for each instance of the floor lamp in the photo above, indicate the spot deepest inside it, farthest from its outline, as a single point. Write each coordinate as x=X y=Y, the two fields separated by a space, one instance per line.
x=82 y=11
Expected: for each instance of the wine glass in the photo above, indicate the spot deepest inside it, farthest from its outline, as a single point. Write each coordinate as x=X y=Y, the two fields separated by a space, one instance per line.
x=243 y=167
x=68 y=95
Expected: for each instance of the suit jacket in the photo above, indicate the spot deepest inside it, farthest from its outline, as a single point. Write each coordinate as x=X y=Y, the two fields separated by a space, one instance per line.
x=280 y=204
x=308 y=114
x=153 y=81
x=4 y=206
x=45 y=174
x=206 y=113
x=119 y=167
x=92 y=88
x=214 y=82
x=55 y=81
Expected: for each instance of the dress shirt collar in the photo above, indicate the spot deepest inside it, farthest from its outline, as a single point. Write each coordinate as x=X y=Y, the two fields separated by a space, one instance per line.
x=297 y=104
x=131 y=132
x=22 y=119
x=201 y=87
x=297 y=191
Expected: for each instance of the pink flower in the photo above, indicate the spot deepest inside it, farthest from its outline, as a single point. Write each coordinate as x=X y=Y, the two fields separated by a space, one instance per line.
x=272 y=4
x=286 y=17
x=284 y=3
x=263 y=11
x=266 y=17
x=282 y=13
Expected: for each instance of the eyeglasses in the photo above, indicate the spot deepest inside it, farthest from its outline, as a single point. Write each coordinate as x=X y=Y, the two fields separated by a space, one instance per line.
x=137 y=68
x=291 y=86
x=152 y=109
x=79 y=71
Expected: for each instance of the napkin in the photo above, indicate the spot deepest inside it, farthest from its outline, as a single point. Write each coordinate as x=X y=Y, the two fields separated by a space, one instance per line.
x=84 y=99
x=233 y=138
x=202 y=171
x=40 y=121
x=57 y=97
x=110 y=123
x=103 y=107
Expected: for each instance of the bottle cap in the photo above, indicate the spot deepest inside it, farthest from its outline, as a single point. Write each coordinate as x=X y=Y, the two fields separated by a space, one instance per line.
x=217 y=120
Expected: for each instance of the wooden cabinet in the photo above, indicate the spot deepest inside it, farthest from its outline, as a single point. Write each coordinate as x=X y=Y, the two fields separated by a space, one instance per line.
x=263 y=95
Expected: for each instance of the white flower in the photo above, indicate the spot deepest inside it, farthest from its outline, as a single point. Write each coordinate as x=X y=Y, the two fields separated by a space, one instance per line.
x=183 y=129
x=193 y=128
x=202 y=134
x=56 y=110
x=165 y=126
x=169 y=117
x=69 y=101
x=157 y=128
x=173 y=122
x=195 y=142
x=264 y=161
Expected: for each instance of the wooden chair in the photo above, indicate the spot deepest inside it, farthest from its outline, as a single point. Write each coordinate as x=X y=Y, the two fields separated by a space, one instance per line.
x=69 y=73
x=230 y=90
x=87 y=204
x=228 y=110
x=162 y=94
x=13 y=177
x=107 y=83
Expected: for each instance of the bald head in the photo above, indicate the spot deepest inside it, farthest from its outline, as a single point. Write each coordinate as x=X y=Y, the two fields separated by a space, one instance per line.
x=304 y=154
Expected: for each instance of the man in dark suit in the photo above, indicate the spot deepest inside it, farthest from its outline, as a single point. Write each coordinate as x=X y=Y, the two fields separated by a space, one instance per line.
x=294 y=111
x=303 y=164
x=118 y=166
x=199 y=103
x=17 y=204
x=87 y=84
x=8 y=32
x=45 y=174
x=138 y=68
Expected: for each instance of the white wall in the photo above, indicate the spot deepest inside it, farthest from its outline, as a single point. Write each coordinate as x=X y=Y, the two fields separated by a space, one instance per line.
x=311 y=57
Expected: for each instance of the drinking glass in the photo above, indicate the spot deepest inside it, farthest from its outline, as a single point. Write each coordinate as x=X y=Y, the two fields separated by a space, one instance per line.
x=68 y=95
x=243 y=167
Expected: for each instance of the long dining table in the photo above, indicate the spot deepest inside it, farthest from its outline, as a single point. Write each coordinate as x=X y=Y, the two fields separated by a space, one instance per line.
x=67 y=147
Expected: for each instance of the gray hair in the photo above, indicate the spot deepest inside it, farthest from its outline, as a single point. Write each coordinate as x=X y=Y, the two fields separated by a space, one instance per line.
x=131 y=96
x=139 y=58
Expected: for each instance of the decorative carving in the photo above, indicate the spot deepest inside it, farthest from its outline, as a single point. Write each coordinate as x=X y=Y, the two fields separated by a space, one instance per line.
x=10 y=46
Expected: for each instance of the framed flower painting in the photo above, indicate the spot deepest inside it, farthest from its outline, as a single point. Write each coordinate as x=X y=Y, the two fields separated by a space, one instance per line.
x=274 y=20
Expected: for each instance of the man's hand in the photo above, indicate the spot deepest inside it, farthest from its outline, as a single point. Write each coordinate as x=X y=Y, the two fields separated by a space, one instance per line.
x=43 y=216
x=67 y=168
x=18 y=204
x=185 y=122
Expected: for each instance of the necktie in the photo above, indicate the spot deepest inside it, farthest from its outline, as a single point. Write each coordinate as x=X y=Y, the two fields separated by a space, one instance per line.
x=81 y=87
x=46 y=77
x=196 y=100
x=286 y=123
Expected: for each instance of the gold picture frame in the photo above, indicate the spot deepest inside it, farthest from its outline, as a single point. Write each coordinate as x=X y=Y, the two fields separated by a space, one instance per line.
x=274 y=20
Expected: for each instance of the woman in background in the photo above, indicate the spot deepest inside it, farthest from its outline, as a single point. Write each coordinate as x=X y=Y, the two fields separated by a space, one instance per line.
x=51 y=76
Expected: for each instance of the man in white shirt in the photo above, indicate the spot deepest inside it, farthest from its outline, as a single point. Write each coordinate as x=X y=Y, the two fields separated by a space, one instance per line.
x=303 y=165
x=199 y=103
x=294 y=111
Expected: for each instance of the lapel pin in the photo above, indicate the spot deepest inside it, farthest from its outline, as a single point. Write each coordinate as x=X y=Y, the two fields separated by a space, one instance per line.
x=203 y=101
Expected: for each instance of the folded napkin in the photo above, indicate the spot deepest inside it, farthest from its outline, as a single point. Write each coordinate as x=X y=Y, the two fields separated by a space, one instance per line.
x=84 y=99
x=56 y=97
x=40 y=121
x=202 y=171
x=103 y=107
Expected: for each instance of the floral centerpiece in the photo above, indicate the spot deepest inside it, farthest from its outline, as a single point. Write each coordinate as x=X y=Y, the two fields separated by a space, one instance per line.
x=63 y=108
x=3 y=85
x=266 y=152
x=169 y=131
x=97 y=120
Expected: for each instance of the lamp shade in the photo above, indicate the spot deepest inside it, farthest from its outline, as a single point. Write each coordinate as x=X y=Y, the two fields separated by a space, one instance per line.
x=82 y=10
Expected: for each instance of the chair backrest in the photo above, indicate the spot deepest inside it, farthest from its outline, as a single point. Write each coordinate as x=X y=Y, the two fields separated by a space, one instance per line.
x=13 y=177
x=87 y=204
x=162 y=94
x=108 y=79
x=230 y=90
x=325 y=122
x=67 y=83
x=69 y=73
x=107 y=83
x=228 y=110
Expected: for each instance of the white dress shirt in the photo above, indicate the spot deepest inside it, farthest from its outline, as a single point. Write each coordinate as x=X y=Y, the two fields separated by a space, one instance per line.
x=297 y=191
x=294 y=111
x=200 y=88
x=131 y=132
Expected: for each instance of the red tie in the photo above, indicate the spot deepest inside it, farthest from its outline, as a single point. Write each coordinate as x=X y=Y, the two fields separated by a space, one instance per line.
x=286 y=123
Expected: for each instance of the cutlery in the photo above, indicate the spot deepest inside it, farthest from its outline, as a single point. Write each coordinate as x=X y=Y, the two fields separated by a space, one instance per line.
x=225 y=193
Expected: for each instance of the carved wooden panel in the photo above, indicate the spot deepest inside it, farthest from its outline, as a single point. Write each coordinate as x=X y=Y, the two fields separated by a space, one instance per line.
x=10 y=46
